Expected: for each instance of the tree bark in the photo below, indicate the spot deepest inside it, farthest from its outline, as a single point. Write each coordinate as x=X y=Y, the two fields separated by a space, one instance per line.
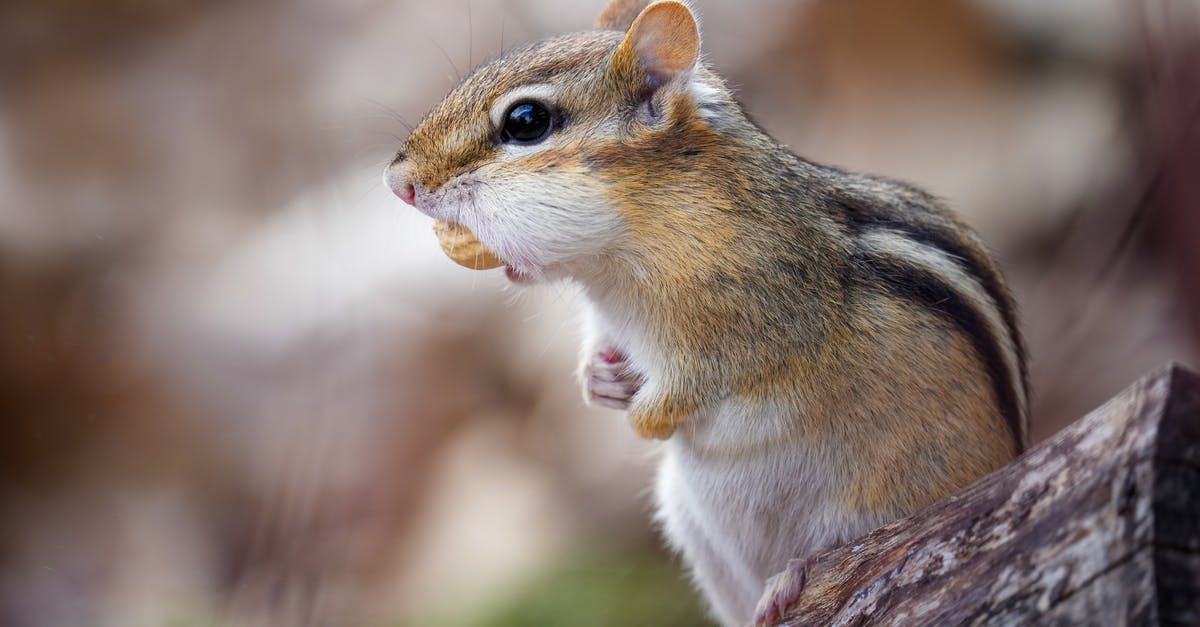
x=1100 y=525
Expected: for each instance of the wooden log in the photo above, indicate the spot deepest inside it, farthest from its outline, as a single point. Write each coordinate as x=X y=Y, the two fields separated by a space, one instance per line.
x=1099 y=525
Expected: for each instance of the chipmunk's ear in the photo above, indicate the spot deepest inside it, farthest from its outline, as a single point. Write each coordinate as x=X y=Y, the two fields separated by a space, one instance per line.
x=620 y=14
x=662 y=44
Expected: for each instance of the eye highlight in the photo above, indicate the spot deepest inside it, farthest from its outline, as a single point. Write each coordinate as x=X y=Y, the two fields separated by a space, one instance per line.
x=526 y=122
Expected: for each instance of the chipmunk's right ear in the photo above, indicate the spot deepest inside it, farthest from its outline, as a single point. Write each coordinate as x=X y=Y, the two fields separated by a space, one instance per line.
x=662 y=44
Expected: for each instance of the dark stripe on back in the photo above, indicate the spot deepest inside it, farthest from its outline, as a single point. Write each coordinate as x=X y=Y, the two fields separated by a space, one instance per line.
x=927 y=290
x=861 y=220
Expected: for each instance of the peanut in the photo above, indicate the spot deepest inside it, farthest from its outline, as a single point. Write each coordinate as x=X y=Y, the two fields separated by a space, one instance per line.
x=460 y=245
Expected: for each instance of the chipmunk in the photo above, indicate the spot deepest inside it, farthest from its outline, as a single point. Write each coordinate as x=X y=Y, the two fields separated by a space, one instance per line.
x=822 y=352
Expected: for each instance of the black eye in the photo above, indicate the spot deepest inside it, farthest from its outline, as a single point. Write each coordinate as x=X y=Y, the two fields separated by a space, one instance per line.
x=527 y=123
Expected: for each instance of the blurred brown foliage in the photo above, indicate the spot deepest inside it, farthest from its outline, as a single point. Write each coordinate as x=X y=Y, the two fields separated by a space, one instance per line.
x=239 y=385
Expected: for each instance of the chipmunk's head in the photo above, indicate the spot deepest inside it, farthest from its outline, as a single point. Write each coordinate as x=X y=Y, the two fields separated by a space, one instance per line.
x=533 y=151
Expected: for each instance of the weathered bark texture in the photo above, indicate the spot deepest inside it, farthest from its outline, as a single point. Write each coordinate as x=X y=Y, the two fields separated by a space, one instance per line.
x=1099 y=525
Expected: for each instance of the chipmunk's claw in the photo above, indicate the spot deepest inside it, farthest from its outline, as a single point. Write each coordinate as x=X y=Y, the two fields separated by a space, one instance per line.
x=781 y=592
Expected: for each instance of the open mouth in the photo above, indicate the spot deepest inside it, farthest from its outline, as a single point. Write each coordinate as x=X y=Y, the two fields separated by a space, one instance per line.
x=516 y=276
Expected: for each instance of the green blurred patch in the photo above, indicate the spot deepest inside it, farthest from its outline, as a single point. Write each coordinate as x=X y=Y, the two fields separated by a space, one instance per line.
x=598 y=589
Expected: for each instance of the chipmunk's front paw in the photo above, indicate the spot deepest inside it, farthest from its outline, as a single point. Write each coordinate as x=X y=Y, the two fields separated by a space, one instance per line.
x=781 y=592
x=608 y=380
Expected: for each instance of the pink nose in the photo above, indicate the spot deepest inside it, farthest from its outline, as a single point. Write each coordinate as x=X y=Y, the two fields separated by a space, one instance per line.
x=406 y=192
x=399 y=180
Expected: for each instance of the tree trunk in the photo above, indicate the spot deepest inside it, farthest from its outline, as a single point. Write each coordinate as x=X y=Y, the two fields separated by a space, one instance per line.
x=1099 y=525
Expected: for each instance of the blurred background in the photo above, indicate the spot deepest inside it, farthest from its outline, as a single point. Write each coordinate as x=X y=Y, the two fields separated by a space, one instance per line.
x=240 y=385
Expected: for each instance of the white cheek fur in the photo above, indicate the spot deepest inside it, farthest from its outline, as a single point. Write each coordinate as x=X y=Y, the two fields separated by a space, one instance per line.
x=508 y=152
x=544 y=221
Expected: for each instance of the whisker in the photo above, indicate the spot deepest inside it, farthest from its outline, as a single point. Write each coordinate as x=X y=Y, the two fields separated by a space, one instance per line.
x=393 y=112
x=446 y=56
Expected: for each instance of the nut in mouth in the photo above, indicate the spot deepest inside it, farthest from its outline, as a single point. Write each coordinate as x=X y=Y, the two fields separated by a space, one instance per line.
x=461 y=246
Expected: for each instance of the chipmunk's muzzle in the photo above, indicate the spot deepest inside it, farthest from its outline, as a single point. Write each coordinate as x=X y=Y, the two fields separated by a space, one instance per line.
x=398 y=177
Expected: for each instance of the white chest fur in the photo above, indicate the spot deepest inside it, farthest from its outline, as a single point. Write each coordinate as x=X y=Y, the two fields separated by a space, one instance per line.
x=738 y=518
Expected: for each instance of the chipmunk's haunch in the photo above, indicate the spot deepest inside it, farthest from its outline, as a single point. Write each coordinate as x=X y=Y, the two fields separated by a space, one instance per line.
x=823 y=352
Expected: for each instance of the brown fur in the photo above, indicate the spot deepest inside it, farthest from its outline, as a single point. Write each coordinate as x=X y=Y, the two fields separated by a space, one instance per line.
x=457 y=136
